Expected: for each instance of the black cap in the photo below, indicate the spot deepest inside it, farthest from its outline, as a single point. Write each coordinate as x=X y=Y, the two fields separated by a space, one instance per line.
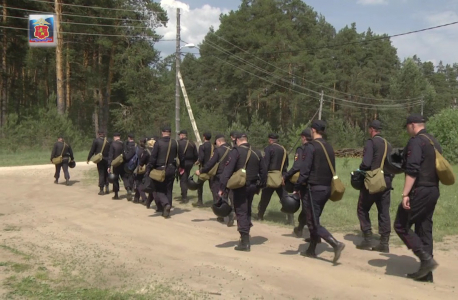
x=166 y=129
x=101 y=131
x=240 y=135
x=183 y=132
x=207 y=135
x=60 y=136
x=273 y=136
x=116 y=134
x=415 y=119
x=307 y=133
x=233 y=133
x=319 y=125
x=218 y=136
x=376 y=124
x=131 y=136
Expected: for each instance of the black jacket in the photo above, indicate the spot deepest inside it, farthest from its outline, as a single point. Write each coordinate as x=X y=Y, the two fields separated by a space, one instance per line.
x=129 y=150
x=159 y=154
x=297 y=163
x=273 y=157
x=205 y=152
x=96 y=148
x=217 y=156
x=57 y=151
x=116 y=149
x=191 y=156
x=373 y=154
x=144 y=157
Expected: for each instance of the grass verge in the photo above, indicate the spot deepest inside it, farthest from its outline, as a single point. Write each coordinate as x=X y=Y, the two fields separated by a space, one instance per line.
x=26 y=158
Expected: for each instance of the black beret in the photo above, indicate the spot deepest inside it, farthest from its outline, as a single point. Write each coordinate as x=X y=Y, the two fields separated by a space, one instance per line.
x=376 y=124
x=166 y=129
x=218 y=136
x=116 y=134
x=307 y=133
x=240 y=135
x=273 y=136
x=183 y=132
x=131 y=135
x=207 y=135
x=319 y=125
x=415 y=118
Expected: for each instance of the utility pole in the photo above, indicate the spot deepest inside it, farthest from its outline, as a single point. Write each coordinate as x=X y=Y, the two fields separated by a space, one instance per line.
x=59 y=68
x=422 y=104
x=321 y=105
x=177 y=82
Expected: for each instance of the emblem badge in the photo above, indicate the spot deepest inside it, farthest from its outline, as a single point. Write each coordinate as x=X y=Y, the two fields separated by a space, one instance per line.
x=42 y=31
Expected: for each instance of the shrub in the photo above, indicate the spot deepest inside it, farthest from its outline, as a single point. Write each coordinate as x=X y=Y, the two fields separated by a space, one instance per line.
x=444 y=126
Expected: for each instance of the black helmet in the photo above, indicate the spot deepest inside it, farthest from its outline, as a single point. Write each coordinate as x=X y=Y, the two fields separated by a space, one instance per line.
x=357 y=179
x=289 y=186
x=221 y=208
x=290 y=203
x=394 y=161
x=72 y=164
x=112 y=178
x=192 y=185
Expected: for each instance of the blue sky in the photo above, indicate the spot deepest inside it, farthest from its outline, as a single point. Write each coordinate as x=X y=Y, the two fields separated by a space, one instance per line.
x=382 y=16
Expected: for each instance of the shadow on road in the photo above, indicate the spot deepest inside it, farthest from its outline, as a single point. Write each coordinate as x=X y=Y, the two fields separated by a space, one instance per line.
x=257 y=240
x=396 y=265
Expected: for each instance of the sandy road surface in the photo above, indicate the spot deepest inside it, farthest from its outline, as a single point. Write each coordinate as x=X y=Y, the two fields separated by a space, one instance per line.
x=193 y=250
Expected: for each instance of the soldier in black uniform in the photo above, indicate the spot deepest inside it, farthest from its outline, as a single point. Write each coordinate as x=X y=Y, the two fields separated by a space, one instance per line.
x=372 y=159
x=315 y=171
x=273 y=158
x=143 y=161
x=64 y=149
x=233 y=138
x=256 y=177
x=116 y=149
x=419 y=197
x=138 y=178
x=221 y=156
x=306 y=137
x=130 y=148
x=205 y=153
x=158 y=161
x=187 y=152
x=102 y=166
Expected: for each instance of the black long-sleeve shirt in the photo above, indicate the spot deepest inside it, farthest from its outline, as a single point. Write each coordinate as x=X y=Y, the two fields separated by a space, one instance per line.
x=205 y=152
x=116 y=149
x=297 y=163
x=217 y=156
x=57 y=150
x=97 y=146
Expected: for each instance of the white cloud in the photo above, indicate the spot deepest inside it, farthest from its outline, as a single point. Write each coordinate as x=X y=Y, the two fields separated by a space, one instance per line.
x=195 y=24
x=372 y=2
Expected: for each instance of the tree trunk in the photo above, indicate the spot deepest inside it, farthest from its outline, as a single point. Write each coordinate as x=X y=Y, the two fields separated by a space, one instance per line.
x=67 y=81
x=59 y=65
x=100 y=89
x=3 y=113
x=107 y=98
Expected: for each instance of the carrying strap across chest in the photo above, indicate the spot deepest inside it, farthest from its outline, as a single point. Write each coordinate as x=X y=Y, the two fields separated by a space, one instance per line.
x=104 y=143
x=248 y=155
x=384 y=154
x=186 y=147
x=430 y=140
x=63 y=149
x=327 y=157
x=168 y=152
x=284 y=156
x=224 y=155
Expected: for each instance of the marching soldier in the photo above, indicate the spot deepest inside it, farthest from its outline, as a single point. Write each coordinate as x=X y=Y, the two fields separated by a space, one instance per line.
x=233 y=138
x=256 y=177
x=374 y=151
x=101 y=145
x=275 y=159
x=316 y=173
x=138 y=174
x=419 y=197
x=116 y=149
x=163 y=157
x=306 y=137
x=143 y=161
x=62 y=152
x=187 y=152
x=205 y=153
x=221 y=156
x=130 y=149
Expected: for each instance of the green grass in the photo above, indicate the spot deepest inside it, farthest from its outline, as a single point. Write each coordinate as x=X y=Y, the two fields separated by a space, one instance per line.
x=16 y=251
x=11 y=228
x=8 y=159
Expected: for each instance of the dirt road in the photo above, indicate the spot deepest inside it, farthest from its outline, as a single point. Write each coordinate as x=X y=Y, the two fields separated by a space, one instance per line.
x=192 y=250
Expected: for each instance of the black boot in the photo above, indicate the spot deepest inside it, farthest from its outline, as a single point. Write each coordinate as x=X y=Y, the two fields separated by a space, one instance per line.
x=129 y=194
x=244 y=243
x=310 y=252
x=199 y=203
x=298 y=231
x=101 y=191
x=427 y=278
x=259 y=216
x=116 y=197
x=220 y=219
x=290 y=219
x=56 y=181
x=309 y=240
x=338 y=247
x=427 y=265
x=67 y=182
x=166 y=212
x=230 y=222
x=184 y=200
x=384 y=246
x=366 y=244
x=107 y=189
x=136 y=200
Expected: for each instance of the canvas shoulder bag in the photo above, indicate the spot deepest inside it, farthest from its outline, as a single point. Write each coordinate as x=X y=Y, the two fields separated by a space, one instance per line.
x=142 y=170
x=96 y=158
x=238 y=179
x=443 y=168
x=118 y=160
x=212 y=172
x=374 y=180
x=337 y=187
x=274 y=177
x=58 y=160
x=159 y=175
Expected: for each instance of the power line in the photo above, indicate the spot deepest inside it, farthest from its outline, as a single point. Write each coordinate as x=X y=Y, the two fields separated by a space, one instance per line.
x=94 y=7
x=292 y=74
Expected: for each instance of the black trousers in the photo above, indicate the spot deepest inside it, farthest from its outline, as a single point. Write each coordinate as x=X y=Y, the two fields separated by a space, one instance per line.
x=102 y=168
x=243 y=198
x=215 y=186
x=139 y=189
x=184 y=179
x=423 y=202
x=64 y=167
x=119 y=172
x=266 y=195
x=200 y=190
x=163 y=196
x=314 y=208
x=382 y=201
x=302 y=219
x=128 y=180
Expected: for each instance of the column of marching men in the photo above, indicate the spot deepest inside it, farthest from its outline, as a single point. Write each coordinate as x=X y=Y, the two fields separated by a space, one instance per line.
x=236 y=172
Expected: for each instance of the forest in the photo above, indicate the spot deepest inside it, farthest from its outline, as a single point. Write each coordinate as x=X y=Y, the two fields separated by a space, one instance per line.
x=264 y=69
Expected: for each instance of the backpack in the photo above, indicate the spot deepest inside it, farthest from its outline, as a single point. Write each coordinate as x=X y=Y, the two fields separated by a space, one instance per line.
x=132 y=164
